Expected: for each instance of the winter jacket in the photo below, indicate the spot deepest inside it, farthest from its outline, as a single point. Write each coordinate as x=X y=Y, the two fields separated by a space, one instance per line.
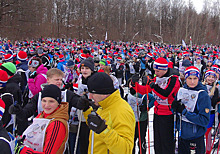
x=197 y=120
x=35 y=84
x=31 y=108
x=118 y=137
x=162 y=94
x=12 y=86
x=61 y=64
x=56 y=132
x=4 y=146
x=22 y=68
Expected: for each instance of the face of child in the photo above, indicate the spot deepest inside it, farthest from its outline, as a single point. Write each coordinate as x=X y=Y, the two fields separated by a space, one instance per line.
x=49 y=104
x=86 y=71
x=56 y=80
x=210 y=79
x=192 y=81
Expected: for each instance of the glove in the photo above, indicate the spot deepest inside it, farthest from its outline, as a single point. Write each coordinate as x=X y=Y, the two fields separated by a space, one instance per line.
x=33 y=75
x=150 y=82
x=83 y=103
x=19 y=145
x=178 y=106
x=14 y=109
x=143 y=107
x=96 y=123
x=134 y=78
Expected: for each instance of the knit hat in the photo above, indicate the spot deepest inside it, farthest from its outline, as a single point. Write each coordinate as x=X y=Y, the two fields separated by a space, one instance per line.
x=9 y=67
x=210 y=72
x=3 y=78
x=8 y=57
x=149 y=55
x=70 y=63
x=82 y=56
x=185 y=54
x=160 y=64
x=186 y=63
x=22 y=56
x=52 y=91
x=100 y=83
x=88 y=63
x=215 y=68
x=61 y=57
x=103 y=62
x=192 y=70
x=2 y=108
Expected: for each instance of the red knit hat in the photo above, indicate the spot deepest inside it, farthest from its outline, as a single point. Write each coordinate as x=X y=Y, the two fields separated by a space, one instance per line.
x=22 y=56
x=185 y=54
x=2 y=108
x=3 y=78
x=61 y=57
x=192 y=70
x=8 y=57
x=160 y=64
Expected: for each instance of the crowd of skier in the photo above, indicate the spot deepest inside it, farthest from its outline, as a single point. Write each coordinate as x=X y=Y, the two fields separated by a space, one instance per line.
x=79 y=97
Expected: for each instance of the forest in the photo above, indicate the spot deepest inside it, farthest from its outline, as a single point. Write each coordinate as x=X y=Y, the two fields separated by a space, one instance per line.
x=168 y=21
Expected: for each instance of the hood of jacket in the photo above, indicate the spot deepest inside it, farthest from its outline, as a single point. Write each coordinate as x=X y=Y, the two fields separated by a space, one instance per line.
x=41 y=69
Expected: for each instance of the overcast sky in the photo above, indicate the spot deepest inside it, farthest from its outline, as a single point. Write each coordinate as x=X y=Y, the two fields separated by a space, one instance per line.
x=198 y=4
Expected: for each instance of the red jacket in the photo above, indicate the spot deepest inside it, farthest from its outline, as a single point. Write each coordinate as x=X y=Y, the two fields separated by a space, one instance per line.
x=169 y=92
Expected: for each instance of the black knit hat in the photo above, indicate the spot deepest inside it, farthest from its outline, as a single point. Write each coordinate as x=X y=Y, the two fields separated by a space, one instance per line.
x=52 y=91
x=88 y=63
x=100 y=83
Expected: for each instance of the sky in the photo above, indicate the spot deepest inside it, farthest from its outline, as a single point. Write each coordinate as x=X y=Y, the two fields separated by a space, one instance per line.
x=198 y=4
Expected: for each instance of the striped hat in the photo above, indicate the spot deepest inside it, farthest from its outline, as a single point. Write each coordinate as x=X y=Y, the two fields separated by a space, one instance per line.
x=3 y=78
x=210 y=72
x=2 y=108
x=61 y=57
x=192 y=70
x=160 y=64
x=149 y=55
x=215 y=68
x=185 y=54
x=8 y=57
x=22 y=56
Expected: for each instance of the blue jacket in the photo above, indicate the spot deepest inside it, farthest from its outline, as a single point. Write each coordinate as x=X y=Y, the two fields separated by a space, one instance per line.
x=199 y=118
x=61 y=65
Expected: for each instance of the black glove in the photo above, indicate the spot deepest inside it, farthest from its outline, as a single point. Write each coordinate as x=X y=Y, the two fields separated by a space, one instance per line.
x=178 y=106
x=19 y=145
x=96 y=123
x=83 y=103
x=150 y=82
x=134 y=78
x=14 y=109
x=33 y=75
x=143 y=107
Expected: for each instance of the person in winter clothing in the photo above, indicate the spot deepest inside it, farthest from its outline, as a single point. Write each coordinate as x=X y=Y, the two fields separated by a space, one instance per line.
x=193 y=104
x=51 y=133
x=22 y=68
x=113 y=123
x=210 y=83
x=86 y=69
x=132 y=99
x=37 y=76
x=4 y=137
x=14 y=80
x=44 y=57
x=61 y=64
x=164 y=88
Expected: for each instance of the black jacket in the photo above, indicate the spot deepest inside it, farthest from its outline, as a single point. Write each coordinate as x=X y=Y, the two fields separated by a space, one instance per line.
x=14 y=87
x=4 y=146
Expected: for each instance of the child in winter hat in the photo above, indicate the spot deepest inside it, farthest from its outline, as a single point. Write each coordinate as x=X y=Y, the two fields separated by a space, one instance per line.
x=88 y=63
x=9 y=67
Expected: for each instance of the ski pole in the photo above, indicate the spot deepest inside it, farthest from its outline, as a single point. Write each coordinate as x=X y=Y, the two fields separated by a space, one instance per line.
x=215 y=136
x=139 y=130
x=78 y=131
x=148 y=126
x=180 y=131
x=174 y=129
